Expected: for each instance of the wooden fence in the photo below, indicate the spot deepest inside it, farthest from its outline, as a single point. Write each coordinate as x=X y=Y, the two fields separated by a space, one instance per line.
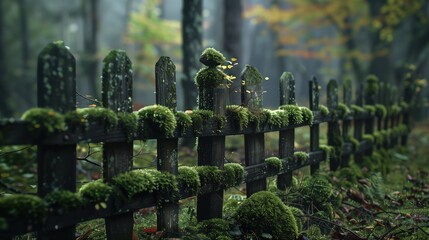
x=56 y=147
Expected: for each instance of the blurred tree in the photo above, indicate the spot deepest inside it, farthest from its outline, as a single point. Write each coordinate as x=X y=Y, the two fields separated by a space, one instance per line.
x=366 y=31
x=5 y=108
x=192 y=24
x=90 y=43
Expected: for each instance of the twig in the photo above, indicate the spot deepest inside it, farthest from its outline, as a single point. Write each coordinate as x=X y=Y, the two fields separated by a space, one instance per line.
x=332 y=223
x=87 y=98
x=14 y=151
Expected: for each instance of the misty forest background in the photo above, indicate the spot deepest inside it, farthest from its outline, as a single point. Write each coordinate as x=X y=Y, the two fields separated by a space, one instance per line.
x=325 y=38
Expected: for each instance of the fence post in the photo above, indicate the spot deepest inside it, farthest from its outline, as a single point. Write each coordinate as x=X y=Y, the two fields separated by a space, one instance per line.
x=211 y=150
x=286 y=137
x=116 y=81
x=254 y=145
x=408 y=98
x=56 y=89
x=314 y=129
x=167 y=149
x=358 y=123
x=347 y=96
x=334 y=134
x=371 y=90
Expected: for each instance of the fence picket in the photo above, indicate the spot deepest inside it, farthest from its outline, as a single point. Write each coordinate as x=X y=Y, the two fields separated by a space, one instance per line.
x=286 y=137
x=116 y=81
x=254 y=145
x=314 y=129
x=167 y=149
x=334 y=134
x=347 y=96
x=358 y=123
x=56 y=89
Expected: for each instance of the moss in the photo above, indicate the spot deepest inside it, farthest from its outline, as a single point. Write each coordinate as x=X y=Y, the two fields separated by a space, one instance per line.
x=200 y=118
x=188 y=178
x=307 y=115
x=211 y=57
x=43 y=119
x=74 y=120
x=65 y=200
x=378 y=137
x=99 y=115
x=258 y=118
x=233 y=174
x=327 y=150
x=95 y=192
x=165 y=184
x=210 y=175
x=294 y=114
x=264 y=212
x=238 y=116
x=371 y=86
x=300 y=156
x=184 y=121
x=357 y=110
x=368 y=137
x=279 y=118
x=299 y=215
x=313 y=232
x=343 y=110
x=324 y=110
x=128 y=123
x=404 y=105
x=134 y=182
x=210 y=78
x=355 y=143
x=380 y=110
x=156 y=119
x=394 y=109
x=317 y=194
x=370 y=109
x=274 y=164
x=214 y=229
x=347 y=177
x=23 y=206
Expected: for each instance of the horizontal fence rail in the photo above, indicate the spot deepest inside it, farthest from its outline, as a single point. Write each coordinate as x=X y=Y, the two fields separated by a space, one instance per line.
x=57 y=126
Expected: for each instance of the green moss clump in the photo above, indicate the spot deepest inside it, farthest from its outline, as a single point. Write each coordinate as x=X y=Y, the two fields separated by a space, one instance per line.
x=210 y=78
x=259 y=118
x=327 y=150
x=99 y=115
x=95 y=192
x=343 y=110
x=370 y=109
x=184 y=121
x=371 y=86
x=264 y=212
x=380 y=110
x=313 y=232
x=63 y=199
x=23 y=206
x=212 y=58
x=355 y=143
x=134 y=182
x=210 y=175
x=233 y=174
x=394 y=109
x=156 y=119
x=128 y=123
x=43 y=119
x=294 y=114
x=300 y=156
x=165 y=184
x=238 y=116
x=274 y=164
x=188 y=178
x=279 y=118
x=307 y=115
x=368 y=137
x=299 y=215
x=317 y=194
x=215 y=229
x=324 y=110
x=347 y=177
x=378 y=137
x=404 y=105
x=199 y=118
x=357 y=110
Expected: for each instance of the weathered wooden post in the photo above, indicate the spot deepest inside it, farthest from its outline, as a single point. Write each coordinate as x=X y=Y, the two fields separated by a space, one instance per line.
x=358 y=123
x=251 y=97
x=117 y=82
x=314 y=129
x=407 y=98
x=286 y=137
x=211 y=150
x=334 y=134
x=165 y=77
x=371 y=90
x=56 y=89
x=347 y=91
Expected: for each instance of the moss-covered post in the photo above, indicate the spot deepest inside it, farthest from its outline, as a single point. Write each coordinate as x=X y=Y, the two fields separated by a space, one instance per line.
x=347 y=97
x=334 y=135
x=314 y=129
x=56 y=89
x=371 y=90
x=254 y=145
x=395 y=116
x=211 y=150
x=116 y=81
x=165 y=79
x=358 y=123
x=407 y=98
x=286 y=137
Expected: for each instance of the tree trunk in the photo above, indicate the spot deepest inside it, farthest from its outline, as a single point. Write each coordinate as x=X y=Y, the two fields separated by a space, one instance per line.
x=5 y=109
x=25 y=53
x=90 y=61
x=192 y=47
x=232 y=42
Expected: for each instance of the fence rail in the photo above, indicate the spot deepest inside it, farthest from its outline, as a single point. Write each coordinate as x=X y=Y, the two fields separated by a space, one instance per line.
x=57 y=147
